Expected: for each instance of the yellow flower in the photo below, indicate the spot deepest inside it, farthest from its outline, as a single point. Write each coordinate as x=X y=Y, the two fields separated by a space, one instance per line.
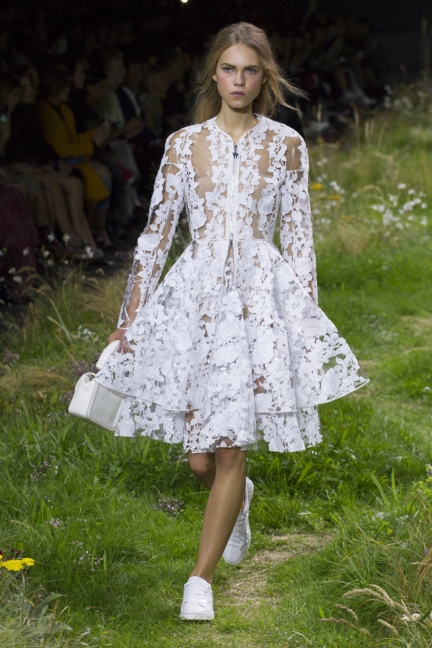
x=316 y=186
x=17 y=565
x=28 y=561
x=334 y=197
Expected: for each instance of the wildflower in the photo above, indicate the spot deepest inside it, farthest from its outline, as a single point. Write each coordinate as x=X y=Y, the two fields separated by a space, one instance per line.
x=401 y=185
x=66 y=238
x=45 y=253
x=79 y=367
x=86 y=334
x=41 y=471
x=378 y=208
x=423 y=206
x=424 y=221
x=317 y=186
x=25 y=251
x=171 y=506
x=55 y=522
x=16 y=565
x=17 y=279
x=9 y=357
x=51 y=237
x=334 y=197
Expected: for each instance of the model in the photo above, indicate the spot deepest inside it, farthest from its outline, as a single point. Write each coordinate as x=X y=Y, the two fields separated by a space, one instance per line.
x=231 y=346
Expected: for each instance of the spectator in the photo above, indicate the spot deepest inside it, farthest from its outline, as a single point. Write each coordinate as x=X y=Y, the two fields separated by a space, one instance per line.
x=28 y=153
x=57 y=123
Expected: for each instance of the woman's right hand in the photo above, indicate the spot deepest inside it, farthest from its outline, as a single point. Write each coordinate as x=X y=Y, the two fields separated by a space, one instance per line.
x=120 y=334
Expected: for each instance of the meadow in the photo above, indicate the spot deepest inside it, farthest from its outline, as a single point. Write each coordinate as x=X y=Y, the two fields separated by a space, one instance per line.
x=341 y=554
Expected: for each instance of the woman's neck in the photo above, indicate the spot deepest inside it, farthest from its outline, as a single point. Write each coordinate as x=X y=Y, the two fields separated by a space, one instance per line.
x=235 y=122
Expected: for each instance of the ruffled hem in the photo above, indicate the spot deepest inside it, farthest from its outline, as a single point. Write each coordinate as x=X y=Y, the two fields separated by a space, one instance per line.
x=284 y=432
x=238 y=341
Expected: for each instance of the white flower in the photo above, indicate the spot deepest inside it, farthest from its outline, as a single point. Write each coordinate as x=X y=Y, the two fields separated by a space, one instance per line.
x=423 y=206
x=379 y=208
x=411 y=191
x=401 y=185
x=66 y=238
x=423 y=221
x=25 y=251
x=51 y=237
x=12 y=271
x=389 y=218
x=17 y=279
x=45 y=253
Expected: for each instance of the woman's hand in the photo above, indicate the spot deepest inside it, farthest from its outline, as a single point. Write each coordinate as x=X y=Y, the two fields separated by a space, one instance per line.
x=120 y=334
x=102 y=134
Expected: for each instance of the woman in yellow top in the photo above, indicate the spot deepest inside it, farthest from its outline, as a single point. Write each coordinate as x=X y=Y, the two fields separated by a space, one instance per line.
x=57 y=124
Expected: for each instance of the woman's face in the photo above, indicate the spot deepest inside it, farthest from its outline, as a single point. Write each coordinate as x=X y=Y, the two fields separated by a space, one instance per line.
x=239 y=76
x=13 y=99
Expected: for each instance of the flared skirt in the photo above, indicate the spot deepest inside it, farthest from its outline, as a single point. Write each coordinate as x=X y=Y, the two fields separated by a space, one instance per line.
x=230 y=349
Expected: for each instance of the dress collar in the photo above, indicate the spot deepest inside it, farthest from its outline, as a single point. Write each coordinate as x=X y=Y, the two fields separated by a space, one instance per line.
x=260 y=125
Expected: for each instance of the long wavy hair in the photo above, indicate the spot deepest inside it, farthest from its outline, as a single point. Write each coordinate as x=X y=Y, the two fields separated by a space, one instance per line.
x=273 y=91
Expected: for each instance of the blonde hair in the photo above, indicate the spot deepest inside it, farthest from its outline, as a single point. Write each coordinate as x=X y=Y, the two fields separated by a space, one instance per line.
x=208 y=102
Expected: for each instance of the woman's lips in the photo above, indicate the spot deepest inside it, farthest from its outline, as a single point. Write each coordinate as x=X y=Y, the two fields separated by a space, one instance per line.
x=237 y=94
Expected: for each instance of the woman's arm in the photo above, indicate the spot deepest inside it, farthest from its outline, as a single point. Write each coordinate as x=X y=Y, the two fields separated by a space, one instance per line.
x=154 y=243
x=295 y=217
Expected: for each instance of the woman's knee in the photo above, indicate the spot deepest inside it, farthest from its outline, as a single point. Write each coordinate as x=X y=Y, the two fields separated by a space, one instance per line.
x=228 y=459
x=202 y=464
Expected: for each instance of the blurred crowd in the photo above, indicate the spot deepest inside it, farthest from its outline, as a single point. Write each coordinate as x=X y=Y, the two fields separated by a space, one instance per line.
x=87 y=98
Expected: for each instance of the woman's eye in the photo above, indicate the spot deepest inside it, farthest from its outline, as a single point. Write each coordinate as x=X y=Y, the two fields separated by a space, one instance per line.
x=251 y=70
x=227 y=69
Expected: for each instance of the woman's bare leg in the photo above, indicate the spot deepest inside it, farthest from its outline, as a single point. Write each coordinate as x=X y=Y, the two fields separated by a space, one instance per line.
x=57 y=206
x=74 y=194
x=223 y=505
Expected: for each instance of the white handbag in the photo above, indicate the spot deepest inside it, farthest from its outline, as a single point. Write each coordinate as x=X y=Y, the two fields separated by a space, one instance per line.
x=94 y=402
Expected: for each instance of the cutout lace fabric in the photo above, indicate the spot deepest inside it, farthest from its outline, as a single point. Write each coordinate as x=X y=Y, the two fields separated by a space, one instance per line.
x=231 y=347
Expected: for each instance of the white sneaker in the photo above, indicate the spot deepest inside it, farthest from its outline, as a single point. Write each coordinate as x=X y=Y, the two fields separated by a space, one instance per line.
x=240 y=538
x=197 y=600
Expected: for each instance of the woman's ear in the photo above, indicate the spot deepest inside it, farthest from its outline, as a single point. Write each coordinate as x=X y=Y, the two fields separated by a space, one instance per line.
x=214 y=77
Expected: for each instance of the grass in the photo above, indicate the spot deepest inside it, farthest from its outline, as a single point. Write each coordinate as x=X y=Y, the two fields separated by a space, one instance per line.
x=341 y=552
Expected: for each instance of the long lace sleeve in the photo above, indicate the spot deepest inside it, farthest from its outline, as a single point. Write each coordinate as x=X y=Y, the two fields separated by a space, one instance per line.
x=295 y=217
x=154 y=243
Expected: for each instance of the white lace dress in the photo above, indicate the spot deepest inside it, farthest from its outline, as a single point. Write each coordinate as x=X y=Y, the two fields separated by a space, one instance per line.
x=231 y=346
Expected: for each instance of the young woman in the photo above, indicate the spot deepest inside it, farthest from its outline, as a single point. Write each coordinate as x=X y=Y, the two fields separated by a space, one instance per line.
x=57 y=124
x=231 y=347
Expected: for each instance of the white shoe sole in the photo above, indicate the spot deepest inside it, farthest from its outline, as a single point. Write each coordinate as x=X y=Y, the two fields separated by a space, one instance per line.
x=197 y=616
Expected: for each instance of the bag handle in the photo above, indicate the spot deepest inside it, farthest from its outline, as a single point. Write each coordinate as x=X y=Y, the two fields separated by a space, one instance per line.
x=109 y=350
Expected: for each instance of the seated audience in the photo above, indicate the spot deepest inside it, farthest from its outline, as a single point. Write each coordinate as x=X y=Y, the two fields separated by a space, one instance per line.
x=57 y=124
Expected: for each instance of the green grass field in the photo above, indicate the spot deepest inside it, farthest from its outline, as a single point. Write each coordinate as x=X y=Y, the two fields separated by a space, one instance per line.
x=342 y=533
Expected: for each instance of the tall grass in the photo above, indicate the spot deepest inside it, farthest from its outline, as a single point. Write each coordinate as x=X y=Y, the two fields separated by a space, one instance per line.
x=113 y=523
